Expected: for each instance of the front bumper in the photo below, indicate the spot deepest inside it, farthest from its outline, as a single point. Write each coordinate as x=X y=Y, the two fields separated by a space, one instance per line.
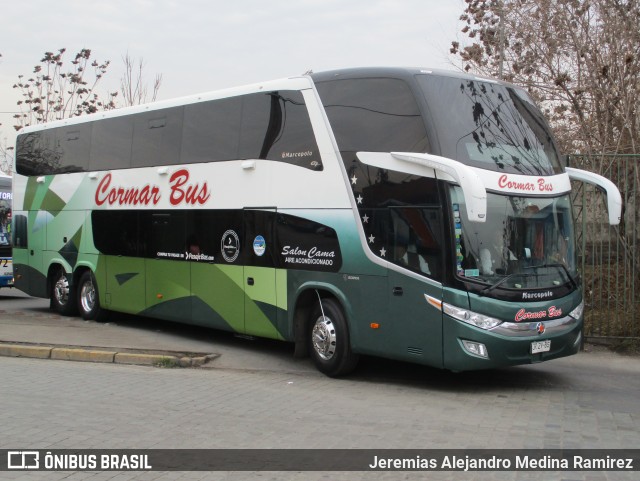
x=508 y=344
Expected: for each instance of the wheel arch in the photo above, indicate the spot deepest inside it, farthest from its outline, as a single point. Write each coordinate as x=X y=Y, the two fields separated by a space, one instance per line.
x=54 y=265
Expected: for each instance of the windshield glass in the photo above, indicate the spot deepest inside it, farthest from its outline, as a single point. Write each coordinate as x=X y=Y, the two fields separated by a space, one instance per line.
x=525 y=243
x=490 y=125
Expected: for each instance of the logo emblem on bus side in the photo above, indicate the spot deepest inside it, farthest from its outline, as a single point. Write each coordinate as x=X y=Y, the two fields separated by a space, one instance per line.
x=259 y=245
x=230 y=246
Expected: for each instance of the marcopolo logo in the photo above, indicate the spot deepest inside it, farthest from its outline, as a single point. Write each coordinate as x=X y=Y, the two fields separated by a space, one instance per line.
x=537 y=295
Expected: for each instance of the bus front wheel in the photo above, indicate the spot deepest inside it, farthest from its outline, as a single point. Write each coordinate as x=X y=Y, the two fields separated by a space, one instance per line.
x=329 y=340
x=88 y=300
x=62 y=294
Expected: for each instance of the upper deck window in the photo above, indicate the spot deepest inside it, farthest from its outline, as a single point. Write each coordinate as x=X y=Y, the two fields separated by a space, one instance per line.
x=266 y=125
x=489 y=125
x=373 y=115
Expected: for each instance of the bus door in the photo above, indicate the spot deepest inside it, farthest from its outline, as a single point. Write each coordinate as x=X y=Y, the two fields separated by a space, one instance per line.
x=214 y=251
x=117 y=234
x=416 y=246
x=27 y=254
x=259 y=244
x=168 y=276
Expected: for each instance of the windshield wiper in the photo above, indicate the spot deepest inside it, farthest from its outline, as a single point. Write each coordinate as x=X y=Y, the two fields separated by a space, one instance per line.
x=557 y=264
x=503 y=280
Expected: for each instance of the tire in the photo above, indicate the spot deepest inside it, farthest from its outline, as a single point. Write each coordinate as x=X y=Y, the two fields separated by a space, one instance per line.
x=89 y=300
x=329 y=343
x=63 y=294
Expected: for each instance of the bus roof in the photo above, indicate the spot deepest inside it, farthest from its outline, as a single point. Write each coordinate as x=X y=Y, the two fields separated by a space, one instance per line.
x=395 y=72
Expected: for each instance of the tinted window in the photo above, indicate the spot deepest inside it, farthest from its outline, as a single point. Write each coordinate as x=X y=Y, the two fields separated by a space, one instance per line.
x=276 y=126
x=111 y=142
x=373 y=115
x=490 y=126
x=270 y=125
x=209 y=233
x=74 y=143
x=164 y=234
x=156 y=137
x=116 y=232
x=400 y=215
x=19 y=231
x=211 y=131
x=308 y=245
x=38 y=153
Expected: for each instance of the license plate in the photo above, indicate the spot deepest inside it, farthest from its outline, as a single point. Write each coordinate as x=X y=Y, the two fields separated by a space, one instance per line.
x=540 y=346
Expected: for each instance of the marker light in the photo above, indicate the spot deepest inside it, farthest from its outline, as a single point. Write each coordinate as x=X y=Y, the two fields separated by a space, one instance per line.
x=476 y=348
x=470 y=317
x=577 y=312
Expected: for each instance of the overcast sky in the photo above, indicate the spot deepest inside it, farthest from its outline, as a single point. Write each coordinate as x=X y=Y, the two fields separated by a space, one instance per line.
x=203 y=45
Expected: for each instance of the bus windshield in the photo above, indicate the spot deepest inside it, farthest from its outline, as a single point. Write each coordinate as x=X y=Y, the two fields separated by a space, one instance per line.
x=489 y=125
x=526 y=242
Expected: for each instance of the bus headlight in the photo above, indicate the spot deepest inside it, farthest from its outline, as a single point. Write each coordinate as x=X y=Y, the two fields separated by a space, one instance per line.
x=470 y=317
x=578 y=311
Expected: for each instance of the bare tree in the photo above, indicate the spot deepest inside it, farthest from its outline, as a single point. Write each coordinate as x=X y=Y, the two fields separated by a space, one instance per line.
x=579 y=59
x=6 y=154
x=134 y=90
x=55 y=92
x=6 y=157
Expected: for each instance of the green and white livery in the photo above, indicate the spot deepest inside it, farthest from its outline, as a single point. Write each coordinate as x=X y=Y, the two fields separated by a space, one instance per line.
x=404 y=213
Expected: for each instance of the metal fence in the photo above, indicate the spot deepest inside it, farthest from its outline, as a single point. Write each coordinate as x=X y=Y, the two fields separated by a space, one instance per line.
x=608 y=255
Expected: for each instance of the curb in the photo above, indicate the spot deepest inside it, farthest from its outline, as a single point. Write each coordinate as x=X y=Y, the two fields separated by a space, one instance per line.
x=90 y=354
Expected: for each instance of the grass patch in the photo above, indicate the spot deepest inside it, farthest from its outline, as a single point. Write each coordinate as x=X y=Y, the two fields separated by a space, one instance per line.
x=167 y=363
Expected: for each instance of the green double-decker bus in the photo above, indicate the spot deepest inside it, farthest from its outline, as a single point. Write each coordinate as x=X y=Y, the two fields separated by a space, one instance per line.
x=410 y=214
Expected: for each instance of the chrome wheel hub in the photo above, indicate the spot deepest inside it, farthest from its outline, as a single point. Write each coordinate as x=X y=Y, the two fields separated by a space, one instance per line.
x=88 y=296
x=61 y=290
x=323 y=337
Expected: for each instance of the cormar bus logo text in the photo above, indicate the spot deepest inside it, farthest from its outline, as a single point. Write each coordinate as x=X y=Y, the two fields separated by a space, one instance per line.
x=504 y=182
x=180 y=192
x=524 y=315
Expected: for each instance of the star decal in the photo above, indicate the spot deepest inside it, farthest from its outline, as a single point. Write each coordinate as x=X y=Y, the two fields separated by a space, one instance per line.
x=372 y=239
x=383 y=252
x=359 y=199
x=365 y=219
x=354 y=180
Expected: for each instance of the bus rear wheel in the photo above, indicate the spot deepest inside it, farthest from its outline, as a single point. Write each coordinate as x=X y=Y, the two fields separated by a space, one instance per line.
x=88 y=299
x=329 y=340
x=62 y=294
